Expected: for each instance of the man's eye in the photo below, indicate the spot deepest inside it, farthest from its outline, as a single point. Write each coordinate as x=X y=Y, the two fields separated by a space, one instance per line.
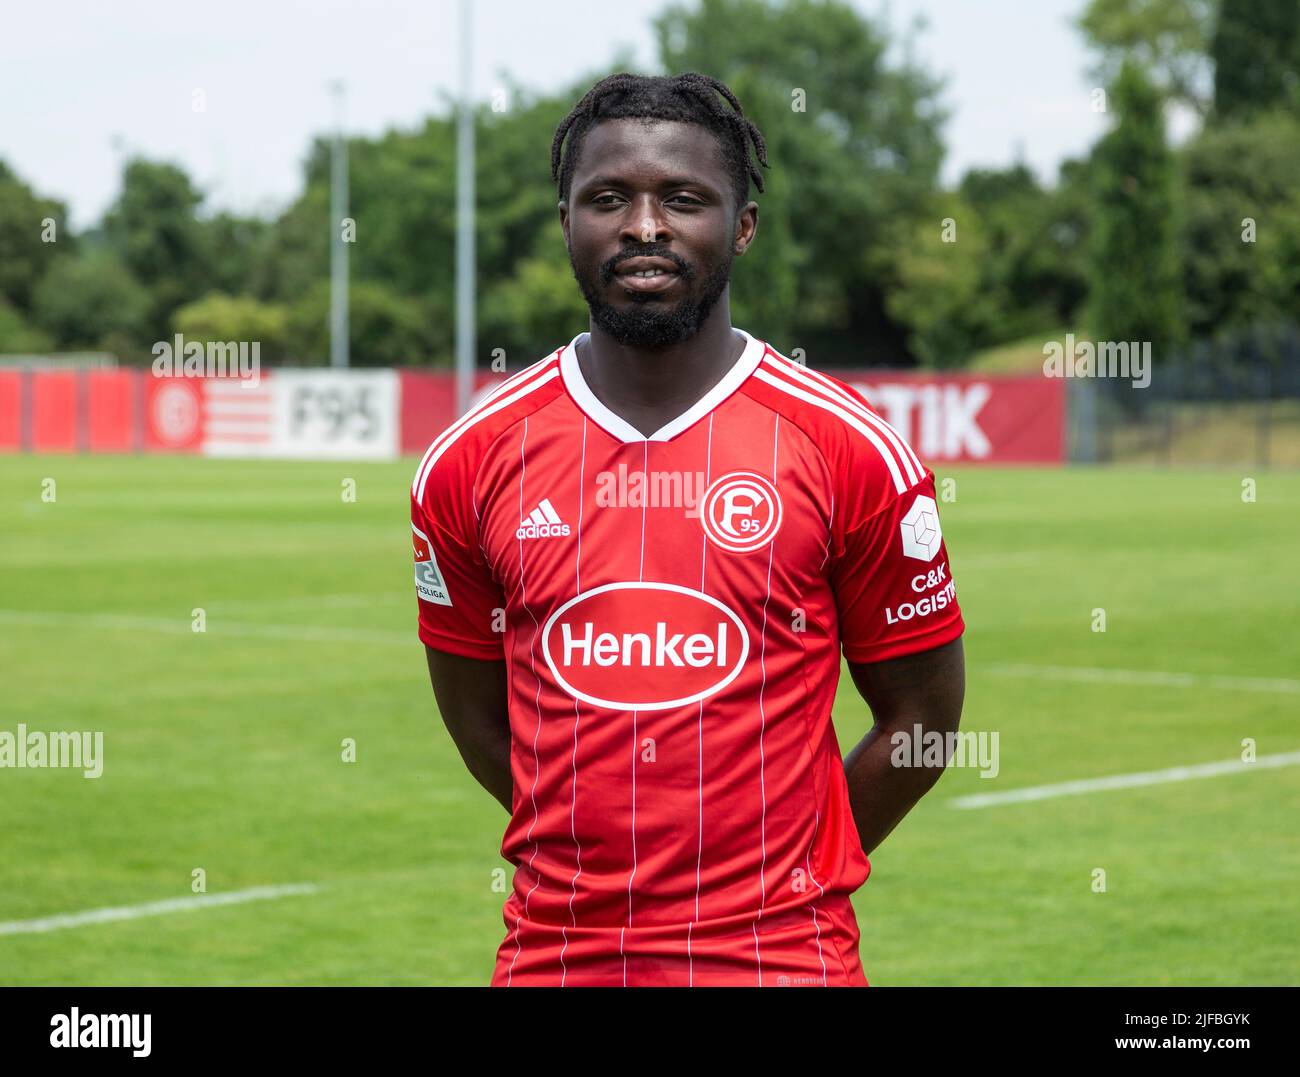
x=685 y=200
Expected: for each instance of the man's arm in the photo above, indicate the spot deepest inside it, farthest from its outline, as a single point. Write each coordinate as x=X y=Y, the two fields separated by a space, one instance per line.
x=471 y=695
x=924 y=689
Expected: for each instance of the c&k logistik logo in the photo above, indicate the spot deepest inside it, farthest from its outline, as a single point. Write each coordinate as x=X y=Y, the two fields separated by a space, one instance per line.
x=740 y=512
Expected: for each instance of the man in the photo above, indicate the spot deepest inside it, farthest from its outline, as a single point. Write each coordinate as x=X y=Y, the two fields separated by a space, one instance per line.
x=638 y=560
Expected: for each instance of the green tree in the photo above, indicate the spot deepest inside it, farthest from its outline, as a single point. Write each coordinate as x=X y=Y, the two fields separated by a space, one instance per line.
x=384 y=328
x=402 y=205
x=29 y=243
x=1240 y=179
x=1256 y=56
x=538 y=302
x=1000 y=259
x=154 y=230
x=1169 y=39
x=1135 y=292
x=296 y=254
x=850 y=175
x=234 y=247
x=530 y=301
x=1280 y=257
x=854 y=143
x=942 y=294
x=17 y=336
x=219 y=317
x=92 y=300
x=1036 y=265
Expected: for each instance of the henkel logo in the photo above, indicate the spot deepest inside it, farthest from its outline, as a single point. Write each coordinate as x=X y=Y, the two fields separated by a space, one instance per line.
x=644 y=646
x=741 y=511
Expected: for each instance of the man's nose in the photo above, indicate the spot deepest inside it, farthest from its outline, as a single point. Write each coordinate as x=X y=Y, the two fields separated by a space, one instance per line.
x=644 y=223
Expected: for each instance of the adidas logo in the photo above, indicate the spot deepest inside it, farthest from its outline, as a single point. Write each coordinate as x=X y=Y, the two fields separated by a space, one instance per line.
x=542 y=522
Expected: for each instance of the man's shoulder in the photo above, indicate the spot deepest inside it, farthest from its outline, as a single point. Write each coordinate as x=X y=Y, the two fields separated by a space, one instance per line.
x=823 y=405
x=858 y=445
x=458 y=451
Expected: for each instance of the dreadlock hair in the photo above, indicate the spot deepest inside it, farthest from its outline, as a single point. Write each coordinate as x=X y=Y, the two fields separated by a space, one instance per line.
x=685 y=98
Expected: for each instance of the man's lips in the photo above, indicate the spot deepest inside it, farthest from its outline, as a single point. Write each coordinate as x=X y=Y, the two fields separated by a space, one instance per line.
x=647 y=274
x=660 y=282
x=643 y=263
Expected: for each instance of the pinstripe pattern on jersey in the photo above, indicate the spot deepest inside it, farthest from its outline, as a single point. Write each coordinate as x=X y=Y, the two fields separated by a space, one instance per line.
x=521 y=384
x=891 y=462
x=816 y=379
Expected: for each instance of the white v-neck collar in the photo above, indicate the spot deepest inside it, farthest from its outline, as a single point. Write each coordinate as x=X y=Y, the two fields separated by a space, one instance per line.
x=620 y=428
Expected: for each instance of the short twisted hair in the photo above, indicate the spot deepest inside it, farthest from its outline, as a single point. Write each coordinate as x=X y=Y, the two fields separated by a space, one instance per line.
x=686 y=98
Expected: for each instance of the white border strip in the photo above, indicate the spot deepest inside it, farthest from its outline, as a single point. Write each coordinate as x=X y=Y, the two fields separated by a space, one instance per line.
x=215 y=628
x=1126 y=781
x=618 y=427
x=816 y=380
x=761 y=373
x=449 y=437
x=511 y=383
x=1153 y=678
x=154 y=908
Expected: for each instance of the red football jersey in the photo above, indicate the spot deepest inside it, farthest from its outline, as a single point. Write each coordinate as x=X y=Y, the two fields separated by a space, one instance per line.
x=671 y=610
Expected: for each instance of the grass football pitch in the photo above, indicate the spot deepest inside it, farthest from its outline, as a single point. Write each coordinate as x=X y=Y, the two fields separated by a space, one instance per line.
x=223 y=749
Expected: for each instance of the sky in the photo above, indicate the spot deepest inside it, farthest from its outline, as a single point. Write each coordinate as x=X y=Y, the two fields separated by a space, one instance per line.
x=84 y=84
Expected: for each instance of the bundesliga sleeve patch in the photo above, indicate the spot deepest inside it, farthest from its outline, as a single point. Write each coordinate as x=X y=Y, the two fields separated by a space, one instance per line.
x=429 y=584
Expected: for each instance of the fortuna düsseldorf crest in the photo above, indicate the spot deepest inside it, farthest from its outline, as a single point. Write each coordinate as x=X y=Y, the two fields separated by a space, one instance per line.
x=741 y=511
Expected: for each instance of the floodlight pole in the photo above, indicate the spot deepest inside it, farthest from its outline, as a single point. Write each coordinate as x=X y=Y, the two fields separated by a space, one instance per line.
x=465 y=343
x=338 y=249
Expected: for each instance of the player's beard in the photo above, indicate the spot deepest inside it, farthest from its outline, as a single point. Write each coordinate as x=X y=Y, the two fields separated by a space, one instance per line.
x=650 y=321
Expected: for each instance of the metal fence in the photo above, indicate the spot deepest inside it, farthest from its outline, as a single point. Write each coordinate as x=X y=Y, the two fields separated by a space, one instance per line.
x=1233 y=401
x=59 y=361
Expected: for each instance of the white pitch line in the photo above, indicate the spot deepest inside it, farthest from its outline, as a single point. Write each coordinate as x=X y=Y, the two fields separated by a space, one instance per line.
x=215 y=627
x=1154 y=678
x=1126 y=781
x=154 y=908
x=223 y=629
x=331 y=601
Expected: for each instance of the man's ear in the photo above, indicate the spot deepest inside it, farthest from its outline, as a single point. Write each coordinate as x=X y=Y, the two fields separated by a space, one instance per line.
x=746 y=228
x=563 y=207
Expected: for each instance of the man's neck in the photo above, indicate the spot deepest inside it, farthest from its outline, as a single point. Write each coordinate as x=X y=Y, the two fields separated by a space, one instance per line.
x=650 y=388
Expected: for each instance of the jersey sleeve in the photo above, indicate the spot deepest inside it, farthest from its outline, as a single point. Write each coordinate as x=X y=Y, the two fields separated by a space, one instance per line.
x=461 y=605
x=893 y=586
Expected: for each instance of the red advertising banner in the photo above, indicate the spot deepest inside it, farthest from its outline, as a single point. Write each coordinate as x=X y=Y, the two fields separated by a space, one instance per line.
x=111 y=400
x=429 y=404
x=11 y=410
x=947 y=418
x=54 y=411
x=173 y=413
x=99 y=410
x=962 y=418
